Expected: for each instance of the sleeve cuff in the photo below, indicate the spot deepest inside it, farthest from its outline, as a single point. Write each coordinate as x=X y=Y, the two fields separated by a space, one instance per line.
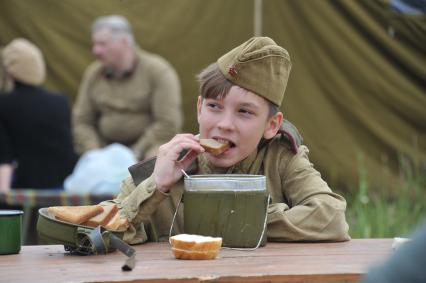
x=144 y=200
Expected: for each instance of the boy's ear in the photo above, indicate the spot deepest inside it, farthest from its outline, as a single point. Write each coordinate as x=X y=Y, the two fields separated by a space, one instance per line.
x=273 y=125
x=199 y=104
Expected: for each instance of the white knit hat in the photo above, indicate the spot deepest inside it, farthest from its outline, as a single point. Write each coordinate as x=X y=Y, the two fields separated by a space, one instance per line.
x=24 y=62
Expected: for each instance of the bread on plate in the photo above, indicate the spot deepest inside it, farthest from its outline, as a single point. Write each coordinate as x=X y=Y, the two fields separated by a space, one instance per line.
x=75 y=214
x=117 y=223
x=189 y=246
x=104 y=217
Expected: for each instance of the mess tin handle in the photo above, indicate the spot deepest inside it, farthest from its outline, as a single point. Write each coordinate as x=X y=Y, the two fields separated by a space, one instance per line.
x=238 y=249
x=100 y=240
x=174 y=217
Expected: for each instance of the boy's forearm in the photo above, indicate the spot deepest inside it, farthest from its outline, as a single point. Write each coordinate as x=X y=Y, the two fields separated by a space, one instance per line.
x=320 y=219
x=134 y=200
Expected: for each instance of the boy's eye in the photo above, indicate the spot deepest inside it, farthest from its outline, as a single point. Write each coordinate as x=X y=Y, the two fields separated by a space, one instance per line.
x=213 y=105
x=246 y=112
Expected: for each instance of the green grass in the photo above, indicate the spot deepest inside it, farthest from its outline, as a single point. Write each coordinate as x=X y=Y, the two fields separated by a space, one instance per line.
x=374 y=215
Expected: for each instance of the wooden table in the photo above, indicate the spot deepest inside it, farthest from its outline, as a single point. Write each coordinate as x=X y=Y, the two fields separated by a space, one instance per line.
x=32 y=199
x=277 y=262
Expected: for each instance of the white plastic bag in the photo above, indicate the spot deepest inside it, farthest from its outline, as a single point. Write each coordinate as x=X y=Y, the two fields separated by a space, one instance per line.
x=100 y=171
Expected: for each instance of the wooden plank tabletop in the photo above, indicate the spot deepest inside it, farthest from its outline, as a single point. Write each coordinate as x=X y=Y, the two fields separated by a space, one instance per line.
x=276 y=262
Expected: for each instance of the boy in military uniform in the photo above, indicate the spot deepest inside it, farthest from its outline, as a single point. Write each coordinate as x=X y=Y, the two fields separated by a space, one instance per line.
x=239 y=103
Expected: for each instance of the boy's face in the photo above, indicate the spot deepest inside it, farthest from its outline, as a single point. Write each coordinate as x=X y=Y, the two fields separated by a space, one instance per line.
x=241 y=118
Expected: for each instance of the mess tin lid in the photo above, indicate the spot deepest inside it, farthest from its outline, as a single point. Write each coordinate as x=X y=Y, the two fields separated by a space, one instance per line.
x=225 y=182
x=6 y=212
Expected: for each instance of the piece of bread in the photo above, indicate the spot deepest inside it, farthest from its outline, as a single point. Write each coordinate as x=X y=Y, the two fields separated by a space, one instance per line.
x=75 y=214
x=117 y=223
x=188 y=246
x=213 y=146
x=102 y=218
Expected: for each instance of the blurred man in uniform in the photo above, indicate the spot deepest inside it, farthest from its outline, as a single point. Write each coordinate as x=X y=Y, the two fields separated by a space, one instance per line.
x=128 y=96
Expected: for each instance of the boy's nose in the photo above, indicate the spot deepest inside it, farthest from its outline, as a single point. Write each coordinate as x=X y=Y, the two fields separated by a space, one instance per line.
x=226 y=122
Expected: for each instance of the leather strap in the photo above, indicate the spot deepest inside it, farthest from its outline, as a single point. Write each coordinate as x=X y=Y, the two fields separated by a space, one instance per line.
x=97 y=241
x=127 y=250
x=96 y=238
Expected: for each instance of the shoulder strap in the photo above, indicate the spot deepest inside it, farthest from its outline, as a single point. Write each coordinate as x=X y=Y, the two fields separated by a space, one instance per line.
x=290 y=133
x=143 y=169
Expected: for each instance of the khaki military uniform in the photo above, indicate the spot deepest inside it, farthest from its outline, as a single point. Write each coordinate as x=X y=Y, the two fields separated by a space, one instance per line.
x=303 y=206
x=141 y=110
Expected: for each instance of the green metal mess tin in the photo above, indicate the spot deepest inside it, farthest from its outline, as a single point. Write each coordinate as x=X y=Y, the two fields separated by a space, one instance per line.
x=233 y=207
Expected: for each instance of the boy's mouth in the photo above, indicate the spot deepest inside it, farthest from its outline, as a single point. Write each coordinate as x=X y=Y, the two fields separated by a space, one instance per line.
x=231 y=144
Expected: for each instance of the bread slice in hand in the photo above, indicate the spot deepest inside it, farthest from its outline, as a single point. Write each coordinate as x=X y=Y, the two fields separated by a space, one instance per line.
x=117 y=223
x=213 y=146
x=102 y=218
x=75 y=214
x=188 y=246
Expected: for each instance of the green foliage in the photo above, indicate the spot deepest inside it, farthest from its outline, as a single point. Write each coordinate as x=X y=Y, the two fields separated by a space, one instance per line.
x=373 y=215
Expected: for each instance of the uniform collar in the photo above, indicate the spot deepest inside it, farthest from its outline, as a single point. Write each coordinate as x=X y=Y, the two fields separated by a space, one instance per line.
x=111 y=73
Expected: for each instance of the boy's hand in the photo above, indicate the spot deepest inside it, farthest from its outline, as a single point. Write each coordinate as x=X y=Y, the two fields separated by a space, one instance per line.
x=167 y=170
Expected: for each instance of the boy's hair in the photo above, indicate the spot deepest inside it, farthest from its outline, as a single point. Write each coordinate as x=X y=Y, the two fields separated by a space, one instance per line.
x=213 y=84
x=118 y=25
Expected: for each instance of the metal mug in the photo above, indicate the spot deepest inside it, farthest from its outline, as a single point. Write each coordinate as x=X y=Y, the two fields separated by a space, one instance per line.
x=10 y=231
